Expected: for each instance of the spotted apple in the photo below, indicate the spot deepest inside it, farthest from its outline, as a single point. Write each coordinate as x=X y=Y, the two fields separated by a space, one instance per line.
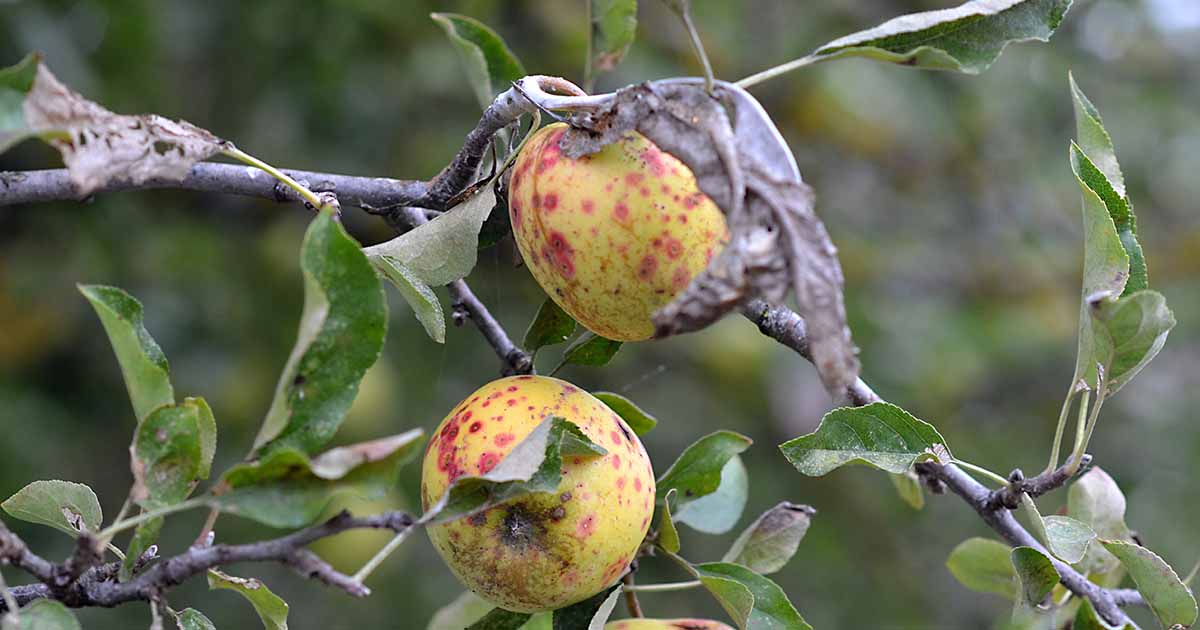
x=666 y=624
x=612 y=236
x=547 y=550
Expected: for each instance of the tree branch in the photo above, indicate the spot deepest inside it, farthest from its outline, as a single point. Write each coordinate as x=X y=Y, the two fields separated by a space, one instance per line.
x=97 y=586
x=787 y=327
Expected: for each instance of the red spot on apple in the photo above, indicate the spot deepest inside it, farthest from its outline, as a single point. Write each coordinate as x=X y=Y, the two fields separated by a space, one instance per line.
x=621 y=211
x=633 y=179
x=475 y=426
x=616 y=461
x=586 y=526
x=488 y=461
x=637 y=484
x=647 y=267
x=504 y=439
x=550 y=202
x=588 y=206
x=654 y=161
x=680 y=278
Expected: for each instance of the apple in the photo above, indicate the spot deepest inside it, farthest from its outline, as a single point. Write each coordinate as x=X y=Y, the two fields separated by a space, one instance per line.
x=542 y=551
x=613 y=236
x=666 y=624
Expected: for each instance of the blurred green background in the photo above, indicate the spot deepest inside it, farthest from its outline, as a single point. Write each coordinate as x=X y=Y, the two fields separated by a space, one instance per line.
x=949 y=196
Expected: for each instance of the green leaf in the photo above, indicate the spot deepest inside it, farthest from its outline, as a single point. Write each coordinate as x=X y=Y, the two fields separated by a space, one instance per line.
x=272 y=610
x=908 y=486
x=1065 y=537
x=967 y=38
x=47 y=614
x=1087 y=619
x=207 y=425
x=534 y=465
x=668 y=536
x=589 y=614
x=500 y=619
x=1129 y=333
x=614 y=25
x=143 y=363
x=192 y=619
x=772 y=539
x=881 y=435
x=1096 y=500
x=420 y=297
x=637 y=419
x=767 y=606
x=15 y=83
x=166 y=455
x=719 y=511
x=550 y=326
x=1035 y=573
x=491 y=67
x=698 y=470
x=1171 y=601
x=591 y=349
x=984 y=565
x=286 y=489
x=540 y=621
x=465 y=610
x=63 y=505
x=341 y=335
x=144 y=536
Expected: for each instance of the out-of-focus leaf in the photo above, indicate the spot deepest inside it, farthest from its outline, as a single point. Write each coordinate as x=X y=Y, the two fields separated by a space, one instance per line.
x=1035 y=573
x=591 y=349
x=1065 y=537
x=534 y=465
x=637 y=419
x=984 y=565
x=767 y=606
x=287 y=489
x=192 y=619
x=341 y=334
x=719 y=511
x=881 y=435
x=444 y=249
x=491 y=67
x=908 y=486
x=698 y=469
x=420 y=297
x=63 y=505
x=668 y=536
x=589 y=614
x=1096 y=500
x=1169 y=599
x=166 y=455
x=772 y=539
x=614 y=25
x=271 y=609
x=550 y=326
x=967 y=38
x=15 y=83
x=465 y=610
x=46 y=614
x=144 y=537
x=500 y=619
x=142 y=361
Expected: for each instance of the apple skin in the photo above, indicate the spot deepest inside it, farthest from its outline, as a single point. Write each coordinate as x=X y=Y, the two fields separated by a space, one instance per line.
x=666 y=624
x=613 y=236
x=541 y=551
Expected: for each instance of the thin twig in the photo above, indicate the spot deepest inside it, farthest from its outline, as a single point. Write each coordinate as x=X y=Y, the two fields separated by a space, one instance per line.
x=631 y=598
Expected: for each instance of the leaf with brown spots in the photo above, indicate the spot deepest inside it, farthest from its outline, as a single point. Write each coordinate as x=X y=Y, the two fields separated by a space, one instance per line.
x=64 y=505
x=772 y=539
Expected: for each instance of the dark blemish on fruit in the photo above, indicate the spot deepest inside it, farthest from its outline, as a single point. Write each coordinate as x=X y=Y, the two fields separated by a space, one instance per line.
x=467 y=416
x=525 y=378
x=521 y=529
x=475 y=426
x=624 y=431
x=558 y=513
x=488 y=461
x=477 y=519
x=692 y=200
x=674 y=248
x=683 y=218
x=588 y=206
x=537 y=200
x=512 y=388
x=512 y=402
x=621 y=211
x=680 y=278
x=564 y=497
x=654 y=161
x=550 y=202
x=647 y=267
x=586 y=526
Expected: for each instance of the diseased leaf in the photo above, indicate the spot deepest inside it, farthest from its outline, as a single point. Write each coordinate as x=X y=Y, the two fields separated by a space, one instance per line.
x=341 y=334
x=591 y=349
x=768 y=608
x=491 y=66
x=698 y=469
x=63 y=505
x=967 y=38
x=1171 y=601
x=589 y=614
x=534 y=465
x=908 y=486
x=166 y=456
x=420 y=297
x=465 y=610
x=271 y=609
x=142 y=361
x=880 y=435
x=614 y=25
x=719 y=511
x=1096 y=500
x=1035 y=573
x=668 y=536
x=1065 y=537
x=637 y=419
x=984 y=565
x=772 y=539
x=192 y=619
x=286 y=489
x=500 y=619
x=46 y=614
x=144 y=536
x=550 y=326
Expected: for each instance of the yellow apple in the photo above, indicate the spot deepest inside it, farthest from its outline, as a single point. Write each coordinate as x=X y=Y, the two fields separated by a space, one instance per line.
x=612 y=236
x=547 y=550
x=666 y=624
